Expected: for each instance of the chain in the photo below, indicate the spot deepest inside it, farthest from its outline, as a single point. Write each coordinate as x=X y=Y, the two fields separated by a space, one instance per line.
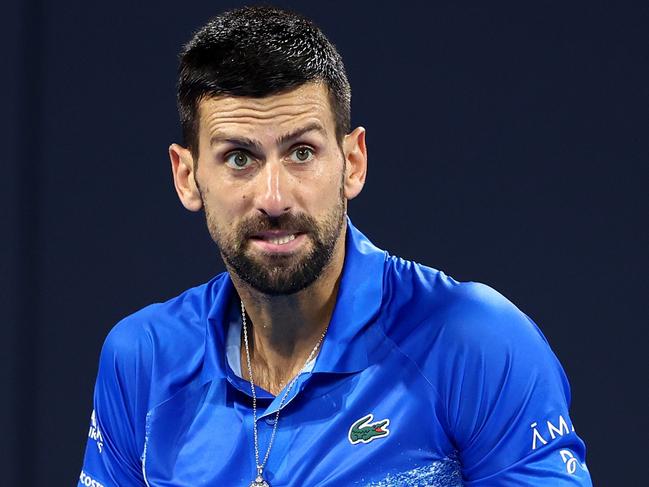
x=260 y=466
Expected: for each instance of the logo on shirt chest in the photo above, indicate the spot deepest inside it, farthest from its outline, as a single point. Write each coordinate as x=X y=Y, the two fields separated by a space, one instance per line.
x=364 y=430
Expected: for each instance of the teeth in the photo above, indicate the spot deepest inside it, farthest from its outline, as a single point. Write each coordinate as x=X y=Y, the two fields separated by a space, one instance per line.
x=282 y=240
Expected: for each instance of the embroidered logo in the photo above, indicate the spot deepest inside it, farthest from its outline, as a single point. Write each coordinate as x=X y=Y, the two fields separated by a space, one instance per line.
x=364 y=431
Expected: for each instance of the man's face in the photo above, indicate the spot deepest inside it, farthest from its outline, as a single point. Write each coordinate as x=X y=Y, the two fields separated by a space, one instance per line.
x=271 y=177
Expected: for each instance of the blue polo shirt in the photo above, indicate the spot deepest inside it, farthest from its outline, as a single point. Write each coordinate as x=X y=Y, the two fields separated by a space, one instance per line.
x=420 y=381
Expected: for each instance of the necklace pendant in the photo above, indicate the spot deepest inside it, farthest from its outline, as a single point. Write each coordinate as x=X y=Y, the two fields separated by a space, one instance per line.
x=259 y=482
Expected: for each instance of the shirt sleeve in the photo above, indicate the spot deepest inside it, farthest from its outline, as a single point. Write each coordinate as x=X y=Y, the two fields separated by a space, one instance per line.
x=116 y=433
x=507 y=399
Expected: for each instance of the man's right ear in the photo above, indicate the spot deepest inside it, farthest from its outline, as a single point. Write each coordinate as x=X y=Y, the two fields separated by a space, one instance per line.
x=182 y=167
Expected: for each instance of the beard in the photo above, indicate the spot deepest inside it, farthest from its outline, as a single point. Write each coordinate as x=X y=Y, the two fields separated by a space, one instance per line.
x=279 y=274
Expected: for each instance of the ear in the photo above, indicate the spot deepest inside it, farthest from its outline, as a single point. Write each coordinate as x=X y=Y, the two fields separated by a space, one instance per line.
x=355 y=153
x=182 y=167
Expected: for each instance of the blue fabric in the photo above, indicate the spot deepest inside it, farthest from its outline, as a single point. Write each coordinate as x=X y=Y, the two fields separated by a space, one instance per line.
x=471 y=392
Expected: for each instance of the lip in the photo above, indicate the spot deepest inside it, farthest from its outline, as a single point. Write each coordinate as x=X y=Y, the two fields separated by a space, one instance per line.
x=260 y=241
x=275 y=234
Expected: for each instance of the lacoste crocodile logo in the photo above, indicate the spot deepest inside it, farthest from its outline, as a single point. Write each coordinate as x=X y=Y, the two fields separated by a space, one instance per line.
x=364 y=431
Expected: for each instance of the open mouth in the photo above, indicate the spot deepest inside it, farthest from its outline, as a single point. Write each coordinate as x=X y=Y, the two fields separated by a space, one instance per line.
x=277 y=239
x=281 y=240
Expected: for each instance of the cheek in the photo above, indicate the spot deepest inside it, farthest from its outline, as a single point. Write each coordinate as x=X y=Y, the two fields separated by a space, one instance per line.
x=223 y=198
x=326 y=192
x=232 y=204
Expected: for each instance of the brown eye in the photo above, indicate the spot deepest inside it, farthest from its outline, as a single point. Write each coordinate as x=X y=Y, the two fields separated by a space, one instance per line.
x=302 y=154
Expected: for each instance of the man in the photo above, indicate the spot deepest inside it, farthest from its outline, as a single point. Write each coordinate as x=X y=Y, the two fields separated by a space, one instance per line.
x=317 y=359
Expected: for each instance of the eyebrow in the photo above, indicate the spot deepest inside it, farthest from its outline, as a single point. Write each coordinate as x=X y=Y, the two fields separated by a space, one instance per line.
x=312 y=127
x=220 y=137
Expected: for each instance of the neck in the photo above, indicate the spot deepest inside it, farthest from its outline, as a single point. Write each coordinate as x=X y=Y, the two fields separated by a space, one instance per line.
x=284 y=329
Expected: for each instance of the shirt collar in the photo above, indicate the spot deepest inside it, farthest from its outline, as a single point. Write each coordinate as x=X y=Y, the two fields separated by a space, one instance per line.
x=220 y=292
x=360 y=293
x=344 y=348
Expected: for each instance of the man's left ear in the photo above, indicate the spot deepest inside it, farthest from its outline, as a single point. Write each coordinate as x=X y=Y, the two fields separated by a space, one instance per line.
x=355 y=152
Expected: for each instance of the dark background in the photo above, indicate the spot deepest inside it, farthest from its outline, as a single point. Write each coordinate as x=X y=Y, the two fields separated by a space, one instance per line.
x=507 y=145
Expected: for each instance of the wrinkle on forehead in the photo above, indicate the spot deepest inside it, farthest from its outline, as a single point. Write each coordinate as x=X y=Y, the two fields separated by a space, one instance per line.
x=307 y=102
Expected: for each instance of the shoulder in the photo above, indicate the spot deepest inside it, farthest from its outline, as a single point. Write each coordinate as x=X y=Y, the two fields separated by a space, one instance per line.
x=161 y=344
x=177 y=320
x=436 y=318
x=492 y=370
x=434 y=304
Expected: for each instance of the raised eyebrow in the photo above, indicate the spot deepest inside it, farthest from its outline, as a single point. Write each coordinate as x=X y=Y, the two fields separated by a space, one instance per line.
x=245 y=142
x=289 y=137
x=255 y=145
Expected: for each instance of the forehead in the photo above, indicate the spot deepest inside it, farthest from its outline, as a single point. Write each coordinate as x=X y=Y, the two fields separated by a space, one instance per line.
x=305 y=104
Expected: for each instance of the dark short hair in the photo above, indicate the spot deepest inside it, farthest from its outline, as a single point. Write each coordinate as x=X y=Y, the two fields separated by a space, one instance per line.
x=257 y=52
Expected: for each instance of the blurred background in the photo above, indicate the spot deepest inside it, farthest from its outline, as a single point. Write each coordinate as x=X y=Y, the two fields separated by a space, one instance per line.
x=507 y=145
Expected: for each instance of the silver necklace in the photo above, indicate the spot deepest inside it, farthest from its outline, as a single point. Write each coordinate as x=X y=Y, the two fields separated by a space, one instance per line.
x=259 y=479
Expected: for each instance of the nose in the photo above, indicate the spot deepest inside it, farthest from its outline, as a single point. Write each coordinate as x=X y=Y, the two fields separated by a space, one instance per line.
x=274 y=198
